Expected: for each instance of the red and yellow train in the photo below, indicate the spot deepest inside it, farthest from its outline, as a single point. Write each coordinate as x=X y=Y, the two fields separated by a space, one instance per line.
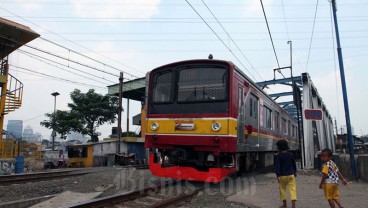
x=206 y=120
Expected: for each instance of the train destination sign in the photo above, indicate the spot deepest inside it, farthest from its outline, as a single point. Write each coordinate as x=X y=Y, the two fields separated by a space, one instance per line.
x=313 y=114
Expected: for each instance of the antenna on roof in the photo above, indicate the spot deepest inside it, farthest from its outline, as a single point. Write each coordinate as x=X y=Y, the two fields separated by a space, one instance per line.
x=210 y=57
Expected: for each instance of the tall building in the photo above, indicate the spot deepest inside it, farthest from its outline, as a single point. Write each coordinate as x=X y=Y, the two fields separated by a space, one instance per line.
x=15 y=127
x=28 y=133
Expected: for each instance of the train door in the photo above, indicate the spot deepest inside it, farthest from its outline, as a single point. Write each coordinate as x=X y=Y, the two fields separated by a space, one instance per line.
x=241 y=116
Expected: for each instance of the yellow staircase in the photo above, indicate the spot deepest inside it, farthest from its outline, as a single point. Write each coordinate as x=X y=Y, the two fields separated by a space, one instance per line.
x=10 y=100
x=12 y=36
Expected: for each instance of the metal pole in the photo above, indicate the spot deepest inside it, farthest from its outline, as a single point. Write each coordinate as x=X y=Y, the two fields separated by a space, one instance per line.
x=345 y=94
x=128 y=117
x=120 y=109
x=53 y=130
x=298 y=102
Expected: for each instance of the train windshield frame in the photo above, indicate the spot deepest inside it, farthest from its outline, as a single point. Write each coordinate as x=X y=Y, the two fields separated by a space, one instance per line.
x=194 y=88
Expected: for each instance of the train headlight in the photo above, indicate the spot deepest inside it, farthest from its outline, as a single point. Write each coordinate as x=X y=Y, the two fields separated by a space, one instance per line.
x=154 y=126
x=216 y=126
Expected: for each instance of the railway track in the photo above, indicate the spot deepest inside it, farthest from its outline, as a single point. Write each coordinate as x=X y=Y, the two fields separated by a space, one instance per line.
x=34 y=177
x=44 y=176
x=163 y=195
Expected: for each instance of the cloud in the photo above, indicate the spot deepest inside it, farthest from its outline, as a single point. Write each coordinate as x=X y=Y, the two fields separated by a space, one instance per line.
x=122 y=9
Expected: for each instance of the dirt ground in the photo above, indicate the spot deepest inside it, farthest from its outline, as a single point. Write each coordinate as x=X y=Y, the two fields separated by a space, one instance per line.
x=266 y=194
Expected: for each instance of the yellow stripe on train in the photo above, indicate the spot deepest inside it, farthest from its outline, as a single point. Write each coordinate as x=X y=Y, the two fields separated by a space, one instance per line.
x=192 y=126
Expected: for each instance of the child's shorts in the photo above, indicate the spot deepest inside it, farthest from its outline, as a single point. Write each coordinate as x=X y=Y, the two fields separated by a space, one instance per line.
x=331 y=191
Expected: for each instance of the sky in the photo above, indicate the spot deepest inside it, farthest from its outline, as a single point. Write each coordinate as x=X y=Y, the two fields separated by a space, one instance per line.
x=138 y=36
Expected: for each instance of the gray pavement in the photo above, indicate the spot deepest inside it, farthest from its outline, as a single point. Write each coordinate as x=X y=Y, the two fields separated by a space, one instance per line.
x=355 y=195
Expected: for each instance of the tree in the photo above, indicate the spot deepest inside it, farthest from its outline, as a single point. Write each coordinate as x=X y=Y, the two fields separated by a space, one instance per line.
x=93 y=110
x=62 y=122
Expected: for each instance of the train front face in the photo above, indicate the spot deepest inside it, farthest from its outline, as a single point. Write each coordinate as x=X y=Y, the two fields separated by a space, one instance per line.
x=190 y=132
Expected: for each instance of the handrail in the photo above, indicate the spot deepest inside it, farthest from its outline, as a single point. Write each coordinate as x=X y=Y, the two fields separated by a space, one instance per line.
x=21 y=85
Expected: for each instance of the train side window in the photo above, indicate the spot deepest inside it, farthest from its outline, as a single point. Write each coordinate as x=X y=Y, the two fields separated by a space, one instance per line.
x=255 y=105
x=267 y=121
x=276 y=123
x=251 y=107
x=284 y=128
x=289 y=128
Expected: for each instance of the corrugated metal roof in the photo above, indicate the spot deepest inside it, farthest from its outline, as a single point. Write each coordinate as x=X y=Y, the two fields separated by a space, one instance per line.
x=14 y=35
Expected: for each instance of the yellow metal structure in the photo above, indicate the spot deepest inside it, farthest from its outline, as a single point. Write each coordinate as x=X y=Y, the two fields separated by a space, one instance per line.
x=12 y=37
x=80 y=155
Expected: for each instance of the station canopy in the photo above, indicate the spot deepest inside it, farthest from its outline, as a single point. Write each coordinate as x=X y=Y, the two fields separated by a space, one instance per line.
x=133 y=89
x=14 y=35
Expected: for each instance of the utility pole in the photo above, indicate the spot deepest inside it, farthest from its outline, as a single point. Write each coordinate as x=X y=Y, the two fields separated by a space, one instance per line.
x=120 y=109
x=53 y=130
x=344 y=93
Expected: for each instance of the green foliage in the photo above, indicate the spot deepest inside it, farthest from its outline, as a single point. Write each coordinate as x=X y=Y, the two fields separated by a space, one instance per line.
x=93 y=110
x=87 y=112
x=62 y=122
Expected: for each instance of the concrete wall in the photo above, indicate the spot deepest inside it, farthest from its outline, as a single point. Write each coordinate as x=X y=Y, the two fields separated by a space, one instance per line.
x=362 y=165
x=343 y=162
x=101 y=149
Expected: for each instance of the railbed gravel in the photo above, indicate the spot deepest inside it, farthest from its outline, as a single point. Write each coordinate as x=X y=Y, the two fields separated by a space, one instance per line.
x=112 y=180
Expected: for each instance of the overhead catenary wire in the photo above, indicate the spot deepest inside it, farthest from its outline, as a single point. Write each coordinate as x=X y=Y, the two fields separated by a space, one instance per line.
x=125 y=65
x=220 y=38
x=311 y=38
x=69 y=71
x=59 y=56
x=58 y=78
x=37 y=57
x=241 y=51
x=269 y=33
x=286 y=26
x=85 y=56
x=70 y=60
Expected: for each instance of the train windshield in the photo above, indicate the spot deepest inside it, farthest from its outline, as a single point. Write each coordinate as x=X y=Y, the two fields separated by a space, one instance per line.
x=202 y=85
x=190 y=89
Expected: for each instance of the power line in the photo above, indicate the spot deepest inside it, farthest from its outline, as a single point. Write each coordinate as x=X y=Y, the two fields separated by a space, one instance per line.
x=286 y=27
x=37 y=57
x=86 y=56
x=67 y=59
x=269 y=32
x=58 y=56
x=232 y=40
x=71 y=41
x=80 y=75
x=58 y=78
x=311 y=39
x=208 y=40
x=219 y=38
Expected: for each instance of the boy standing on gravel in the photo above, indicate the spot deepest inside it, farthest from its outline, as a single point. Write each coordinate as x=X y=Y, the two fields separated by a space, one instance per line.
x=285 y=168
x=330 y=179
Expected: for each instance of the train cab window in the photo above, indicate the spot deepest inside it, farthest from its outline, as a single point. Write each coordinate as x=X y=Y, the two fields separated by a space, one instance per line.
x=202 y=84
x=284 y=127
x=162 y=87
